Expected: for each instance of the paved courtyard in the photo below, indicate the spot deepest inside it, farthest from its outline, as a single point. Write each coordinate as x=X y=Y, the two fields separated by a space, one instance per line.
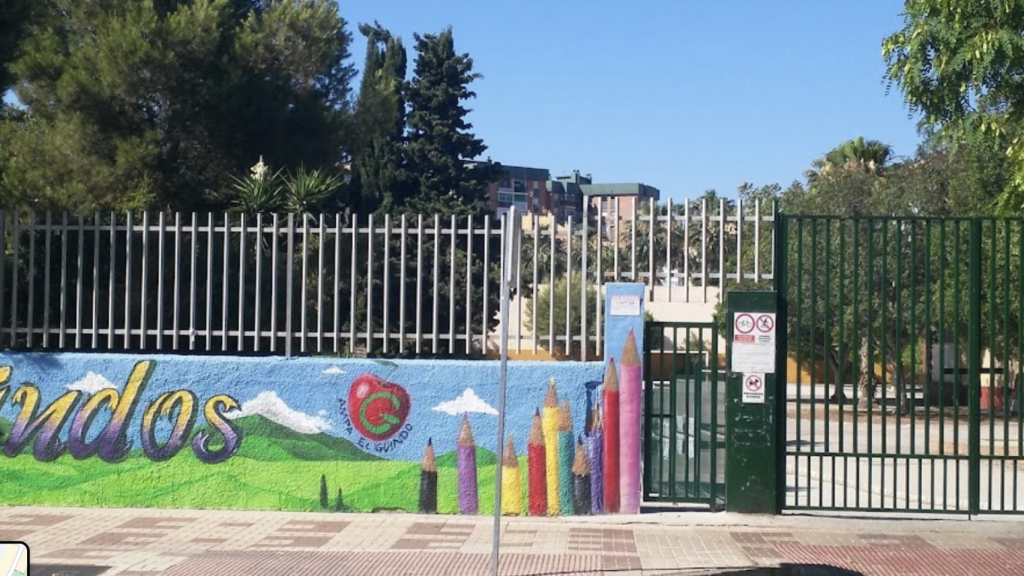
x=148 y=542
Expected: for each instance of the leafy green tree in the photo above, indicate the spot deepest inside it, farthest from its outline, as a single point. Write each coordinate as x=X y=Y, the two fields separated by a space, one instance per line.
x=440 y=141
x=961 y=66
x=560 y=261
x=155 y=104
x=863 y=291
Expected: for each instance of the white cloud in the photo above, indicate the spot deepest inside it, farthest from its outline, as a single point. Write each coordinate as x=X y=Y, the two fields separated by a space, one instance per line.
x=334 y=370
x=91 y=383
x=322 y=413
x=269 y=405
x=468 y=401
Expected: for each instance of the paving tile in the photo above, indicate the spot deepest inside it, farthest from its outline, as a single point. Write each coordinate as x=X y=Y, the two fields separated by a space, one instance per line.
x=169 y=542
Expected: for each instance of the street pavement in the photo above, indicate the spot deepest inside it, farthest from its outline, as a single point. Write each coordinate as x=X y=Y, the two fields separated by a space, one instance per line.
x=150 y=542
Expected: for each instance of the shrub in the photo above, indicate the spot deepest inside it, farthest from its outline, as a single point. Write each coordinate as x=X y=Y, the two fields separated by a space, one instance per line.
x=539 y=323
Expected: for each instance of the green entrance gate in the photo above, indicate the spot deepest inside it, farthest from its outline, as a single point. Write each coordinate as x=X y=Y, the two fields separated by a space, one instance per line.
x=684 y=415
x=908 y=338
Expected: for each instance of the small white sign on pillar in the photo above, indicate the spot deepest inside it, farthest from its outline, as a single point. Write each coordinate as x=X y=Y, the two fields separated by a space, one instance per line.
x=753 y=342
x=753 y=388
x=625 y=305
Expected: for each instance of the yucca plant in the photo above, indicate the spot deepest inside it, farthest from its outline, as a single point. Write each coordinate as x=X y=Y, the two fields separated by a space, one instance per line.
x=306 y=190
x=259 y=193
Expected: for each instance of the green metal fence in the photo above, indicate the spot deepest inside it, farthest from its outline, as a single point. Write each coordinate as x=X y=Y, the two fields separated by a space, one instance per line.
x=909 y=338
x=684 y=415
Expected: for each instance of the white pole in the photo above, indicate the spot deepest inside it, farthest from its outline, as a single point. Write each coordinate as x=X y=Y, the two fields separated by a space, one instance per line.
x=509 y=274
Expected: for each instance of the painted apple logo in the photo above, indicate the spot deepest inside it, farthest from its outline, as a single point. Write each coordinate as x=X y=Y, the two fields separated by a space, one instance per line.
x=378 y=409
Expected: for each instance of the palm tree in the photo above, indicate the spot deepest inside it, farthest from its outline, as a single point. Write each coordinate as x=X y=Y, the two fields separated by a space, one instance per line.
x=865 y=156
x=865 y=161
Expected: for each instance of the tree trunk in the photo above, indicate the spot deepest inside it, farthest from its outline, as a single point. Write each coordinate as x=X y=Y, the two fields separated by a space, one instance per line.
x=865 y=381
x=838 y=377
x=895 y=362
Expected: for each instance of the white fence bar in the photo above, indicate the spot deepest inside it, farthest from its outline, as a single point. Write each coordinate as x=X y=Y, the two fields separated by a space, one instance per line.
x=335 y=293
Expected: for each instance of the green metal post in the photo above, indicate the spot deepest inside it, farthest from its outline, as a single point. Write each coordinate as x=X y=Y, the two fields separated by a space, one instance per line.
x=780 y=265
x=752 y=471
x=974 y=371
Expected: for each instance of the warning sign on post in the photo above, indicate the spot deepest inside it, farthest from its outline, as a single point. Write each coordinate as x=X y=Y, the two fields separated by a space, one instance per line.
x=753 y=388
x=753 y=343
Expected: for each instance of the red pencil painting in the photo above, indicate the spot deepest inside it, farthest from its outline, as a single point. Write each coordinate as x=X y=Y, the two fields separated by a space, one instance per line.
x=537 y=469
x=611 y=438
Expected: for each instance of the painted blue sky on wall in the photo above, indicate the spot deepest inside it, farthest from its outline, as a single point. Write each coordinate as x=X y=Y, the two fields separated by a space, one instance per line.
x=312 y=395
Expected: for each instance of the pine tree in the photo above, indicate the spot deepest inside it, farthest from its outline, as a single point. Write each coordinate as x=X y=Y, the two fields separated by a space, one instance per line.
x=156 y=104
x=15 y=18
x=323 y=492
x=440 y=140
x=339 y=504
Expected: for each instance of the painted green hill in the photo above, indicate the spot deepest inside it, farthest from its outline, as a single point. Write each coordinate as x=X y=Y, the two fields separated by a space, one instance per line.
x=484 y=457
x=268 y=441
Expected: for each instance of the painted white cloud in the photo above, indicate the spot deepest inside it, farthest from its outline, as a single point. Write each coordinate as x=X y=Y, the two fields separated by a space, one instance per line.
x=334 y=370
x=468 y=401
x=269 y=405
x=91 y=383
x=321 y=413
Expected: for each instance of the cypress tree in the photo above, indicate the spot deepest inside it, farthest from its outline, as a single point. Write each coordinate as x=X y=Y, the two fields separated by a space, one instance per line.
x=379 y=174
x=440 y=139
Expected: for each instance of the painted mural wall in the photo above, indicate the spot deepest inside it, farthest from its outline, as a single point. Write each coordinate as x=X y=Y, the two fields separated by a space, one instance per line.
x=307 y=434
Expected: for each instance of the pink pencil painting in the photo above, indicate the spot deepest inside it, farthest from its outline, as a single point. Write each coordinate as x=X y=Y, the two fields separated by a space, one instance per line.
x=630 y=396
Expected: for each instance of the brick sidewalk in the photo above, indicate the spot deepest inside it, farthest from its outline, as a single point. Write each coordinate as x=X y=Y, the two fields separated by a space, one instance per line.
x=144 y=542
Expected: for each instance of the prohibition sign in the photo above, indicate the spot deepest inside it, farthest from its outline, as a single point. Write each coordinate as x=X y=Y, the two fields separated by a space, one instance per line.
x=753 y=383
x=765 y=323
x=744 y=323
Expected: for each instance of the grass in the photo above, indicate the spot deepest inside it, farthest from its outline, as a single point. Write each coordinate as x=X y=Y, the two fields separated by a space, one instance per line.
x=274 y=469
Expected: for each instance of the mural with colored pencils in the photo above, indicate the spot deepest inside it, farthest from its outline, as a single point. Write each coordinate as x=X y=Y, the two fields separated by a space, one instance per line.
x=320 y=434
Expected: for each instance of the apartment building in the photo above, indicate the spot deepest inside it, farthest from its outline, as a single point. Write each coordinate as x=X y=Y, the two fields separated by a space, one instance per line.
x=610 y=200
x=534 y=192
x=523 y=187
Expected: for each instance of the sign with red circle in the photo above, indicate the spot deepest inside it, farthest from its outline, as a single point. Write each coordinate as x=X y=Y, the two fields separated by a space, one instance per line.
x=744 y=323
x=753 y=388
x=765 y=323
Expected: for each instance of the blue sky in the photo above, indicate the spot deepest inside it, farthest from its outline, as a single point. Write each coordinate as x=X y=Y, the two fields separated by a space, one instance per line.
x=679 y=94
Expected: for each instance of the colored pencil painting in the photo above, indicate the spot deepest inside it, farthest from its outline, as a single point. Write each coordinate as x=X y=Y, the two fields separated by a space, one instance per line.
x=304 y=434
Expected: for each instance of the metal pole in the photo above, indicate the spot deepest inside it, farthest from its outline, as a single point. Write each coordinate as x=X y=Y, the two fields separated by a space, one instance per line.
x=505 y=262
x=509 y=276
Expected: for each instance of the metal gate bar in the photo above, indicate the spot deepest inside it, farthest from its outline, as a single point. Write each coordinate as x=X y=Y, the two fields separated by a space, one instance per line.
x=908 y=339
x=684 y=415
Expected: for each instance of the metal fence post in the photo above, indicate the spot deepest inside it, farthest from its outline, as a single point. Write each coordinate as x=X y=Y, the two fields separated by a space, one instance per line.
x=974 y=370
x=779 y=267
